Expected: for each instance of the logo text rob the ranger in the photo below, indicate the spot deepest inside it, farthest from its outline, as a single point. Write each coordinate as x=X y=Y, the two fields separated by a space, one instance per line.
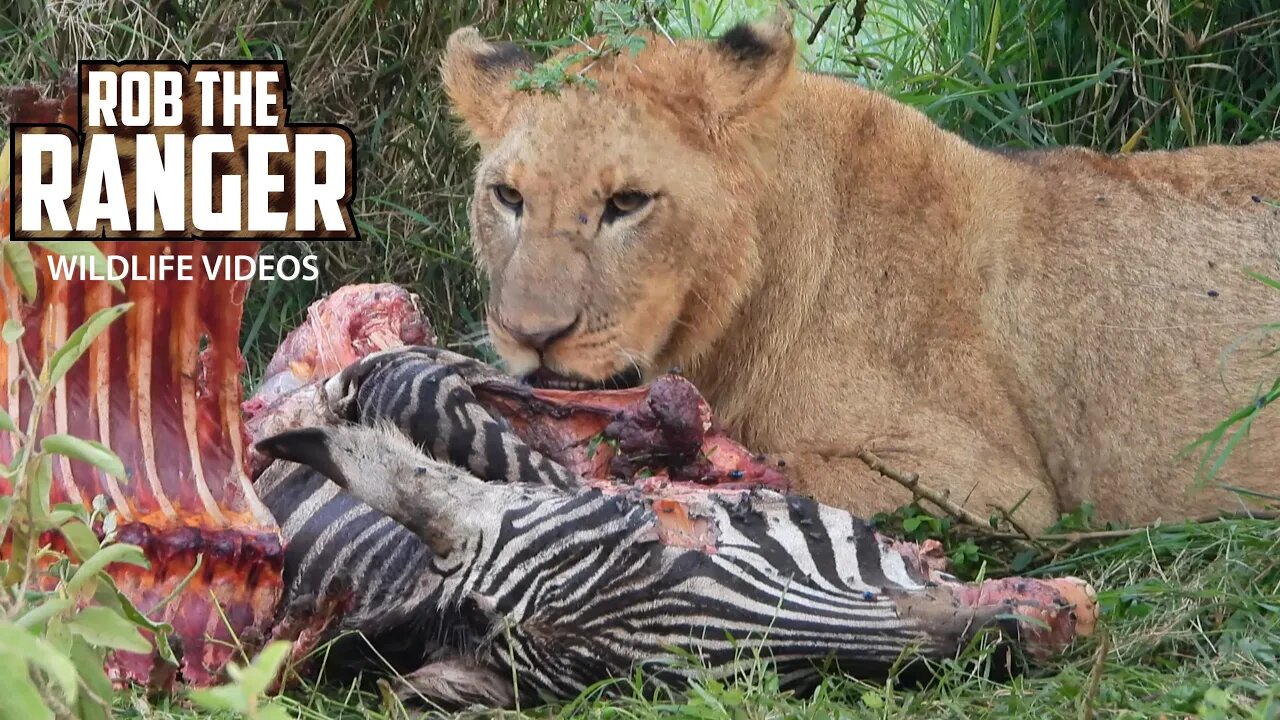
x=167 y=150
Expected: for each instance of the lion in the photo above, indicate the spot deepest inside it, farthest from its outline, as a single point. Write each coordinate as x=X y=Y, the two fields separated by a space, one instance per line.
x=1028 y=331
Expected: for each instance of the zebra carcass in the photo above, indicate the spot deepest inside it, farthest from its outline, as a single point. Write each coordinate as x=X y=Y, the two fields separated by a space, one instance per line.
x=494 y=574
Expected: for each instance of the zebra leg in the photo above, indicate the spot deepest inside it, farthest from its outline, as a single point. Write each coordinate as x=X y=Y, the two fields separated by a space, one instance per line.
x=426 y=394
x=380 y=466
x=456 y=684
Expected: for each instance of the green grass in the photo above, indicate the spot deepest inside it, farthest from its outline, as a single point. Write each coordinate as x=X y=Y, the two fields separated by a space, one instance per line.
x=1191 y=613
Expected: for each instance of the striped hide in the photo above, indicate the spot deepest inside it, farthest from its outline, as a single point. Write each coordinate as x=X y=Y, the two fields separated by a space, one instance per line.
x=488 y=574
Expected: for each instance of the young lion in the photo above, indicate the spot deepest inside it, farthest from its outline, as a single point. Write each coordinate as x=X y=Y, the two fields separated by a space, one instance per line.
x=836 y=273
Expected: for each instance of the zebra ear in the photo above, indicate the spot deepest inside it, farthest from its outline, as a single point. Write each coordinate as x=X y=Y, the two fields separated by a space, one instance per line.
x=309 y=446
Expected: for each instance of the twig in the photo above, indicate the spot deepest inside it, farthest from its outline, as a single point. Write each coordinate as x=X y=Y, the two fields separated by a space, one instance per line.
x=911 y=481
x=859 y=14
x=1008 y=518
x=920 y=491
x=1095 y=678
x=820 y=22
x=1076 y=538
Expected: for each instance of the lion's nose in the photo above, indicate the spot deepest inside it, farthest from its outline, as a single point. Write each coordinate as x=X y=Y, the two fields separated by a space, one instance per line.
x=538 y=336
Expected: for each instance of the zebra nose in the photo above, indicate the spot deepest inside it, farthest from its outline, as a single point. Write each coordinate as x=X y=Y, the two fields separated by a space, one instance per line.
x=539 y=336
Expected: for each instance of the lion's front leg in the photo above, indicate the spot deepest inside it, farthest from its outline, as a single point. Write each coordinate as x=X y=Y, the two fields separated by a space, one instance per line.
x=949 y=457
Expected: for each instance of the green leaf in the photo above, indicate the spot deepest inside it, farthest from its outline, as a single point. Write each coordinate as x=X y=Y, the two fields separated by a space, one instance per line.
x=1022 y=560
x=1270 y=282
x=22 y=644
x=222 y=698
x=161 y=630
x=22 y=699
x=104 y=627
x=88 y=708
x=58 y=636
x=18 y=256
x=12 y=332
x=62 y=514
x=6 y=422
x=86 y=250
x=109 y=523
x=66 y=356
x=89 y=664
x=83 y=542
x=274 y=711
x=256 y=678
x=36 y=617
x=39 y=483
x=247 y=684
x=87 y=451
x=89 y=570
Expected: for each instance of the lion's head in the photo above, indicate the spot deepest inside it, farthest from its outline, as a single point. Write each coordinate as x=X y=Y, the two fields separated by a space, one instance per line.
x=615 y=218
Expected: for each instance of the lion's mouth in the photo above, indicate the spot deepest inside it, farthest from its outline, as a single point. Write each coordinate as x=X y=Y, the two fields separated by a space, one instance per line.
x=544 y=378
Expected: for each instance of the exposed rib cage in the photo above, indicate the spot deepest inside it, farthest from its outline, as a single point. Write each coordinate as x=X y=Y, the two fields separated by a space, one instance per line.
x=562 y=583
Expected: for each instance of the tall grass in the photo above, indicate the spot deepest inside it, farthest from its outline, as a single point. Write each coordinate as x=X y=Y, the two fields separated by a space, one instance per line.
x=1119 y=75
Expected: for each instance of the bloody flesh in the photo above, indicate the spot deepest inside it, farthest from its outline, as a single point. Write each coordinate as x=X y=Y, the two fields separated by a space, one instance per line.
x=161 y=387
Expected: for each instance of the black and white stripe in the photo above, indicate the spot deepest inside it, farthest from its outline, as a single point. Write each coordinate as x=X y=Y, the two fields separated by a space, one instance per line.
x=537 y=577
x=426 y=394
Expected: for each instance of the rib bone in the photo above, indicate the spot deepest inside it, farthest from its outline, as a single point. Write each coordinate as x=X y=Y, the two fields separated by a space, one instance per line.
x=170 y=412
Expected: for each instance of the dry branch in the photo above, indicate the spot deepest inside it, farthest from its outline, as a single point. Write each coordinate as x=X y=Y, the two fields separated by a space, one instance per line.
x=920 y=491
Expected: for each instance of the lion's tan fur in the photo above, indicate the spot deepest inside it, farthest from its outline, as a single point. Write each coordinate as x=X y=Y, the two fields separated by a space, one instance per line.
x=836 y=272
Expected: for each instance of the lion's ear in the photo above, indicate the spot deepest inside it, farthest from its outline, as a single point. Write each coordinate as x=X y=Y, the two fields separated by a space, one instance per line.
x=754 y=59
x=477 y=77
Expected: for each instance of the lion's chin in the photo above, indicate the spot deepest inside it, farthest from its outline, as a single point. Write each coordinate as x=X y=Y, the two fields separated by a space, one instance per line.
x=544 y=378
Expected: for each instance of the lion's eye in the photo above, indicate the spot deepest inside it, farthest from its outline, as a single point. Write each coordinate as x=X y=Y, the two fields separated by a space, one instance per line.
x=625 y=203
x=508 y=196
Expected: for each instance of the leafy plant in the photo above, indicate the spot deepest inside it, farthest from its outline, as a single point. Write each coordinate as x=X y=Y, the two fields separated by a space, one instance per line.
x=244 y=694
x=916 y=524
x=617 y=22
x=60 y=612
